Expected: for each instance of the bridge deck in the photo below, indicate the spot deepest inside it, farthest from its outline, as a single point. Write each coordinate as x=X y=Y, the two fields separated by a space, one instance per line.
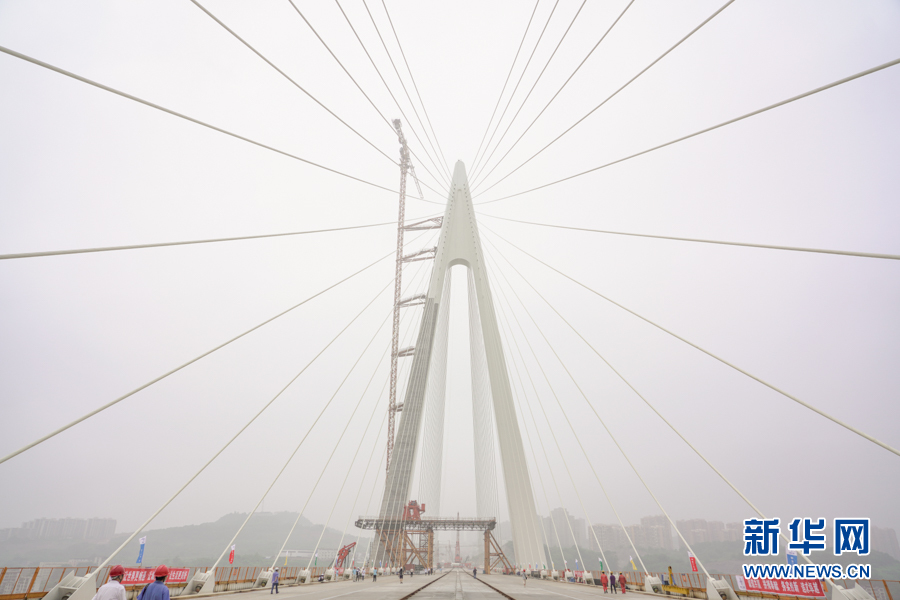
x=455 y=585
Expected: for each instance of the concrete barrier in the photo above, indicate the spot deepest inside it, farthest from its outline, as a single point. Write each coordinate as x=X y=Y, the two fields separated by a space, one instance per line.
x=263 y=579
x=653 y=585
x=838 y=592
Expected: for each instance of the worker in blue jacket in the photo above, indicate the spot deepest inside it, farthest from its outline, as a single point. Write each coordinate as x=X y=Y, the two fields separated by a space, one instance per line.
x=157 y=590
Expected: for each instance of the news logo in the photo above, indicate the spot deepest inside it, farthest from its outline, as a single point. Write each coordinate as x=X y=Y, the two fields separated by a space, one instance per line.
x=809 y=538
x=761 y=537
x=851 y=536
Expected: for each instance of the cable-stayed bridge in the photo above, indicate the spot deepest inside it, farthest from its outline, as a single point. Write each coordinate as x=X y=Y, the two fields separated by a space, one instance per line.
x=536 y=410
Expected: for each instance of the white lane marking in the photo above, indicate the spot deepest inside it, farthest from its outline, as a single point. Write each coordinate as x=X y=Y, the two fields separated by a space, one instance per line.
x=540 y=586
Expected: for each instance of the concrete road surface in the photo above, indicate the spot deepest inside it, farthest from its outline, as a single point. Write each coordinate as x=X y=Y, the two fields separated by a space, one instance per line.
x=455 y=585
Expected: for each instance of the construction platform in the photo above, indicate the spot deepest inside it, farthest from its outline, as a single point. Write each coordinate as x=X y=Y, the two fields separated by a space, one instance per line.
x=436 y=524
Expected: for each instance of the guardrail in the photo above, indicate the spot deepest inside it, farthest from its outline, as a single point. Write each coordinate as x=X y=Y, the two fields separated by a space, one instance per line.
x=25 y=583
x=695 y=583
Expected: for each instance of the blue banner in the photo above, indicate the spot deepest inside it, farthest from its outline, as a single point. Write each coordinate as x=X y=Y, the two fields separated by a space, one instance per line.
x=140 y=558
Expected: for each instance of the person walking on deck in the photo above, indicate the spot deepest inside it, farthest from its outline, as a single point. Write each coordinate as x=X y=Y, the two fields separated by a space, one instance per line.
x=157 y=590
x=113 y=589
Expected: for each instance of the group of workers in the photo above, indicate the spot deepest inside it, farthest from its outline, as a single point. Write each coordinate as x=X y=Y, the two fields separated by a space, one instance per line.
x=612 y=582
x=609 y=582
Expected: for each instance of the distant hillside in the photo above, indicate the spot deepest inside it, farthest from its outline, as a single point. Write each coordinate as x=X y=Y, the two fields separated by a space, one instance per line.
x=192 y=545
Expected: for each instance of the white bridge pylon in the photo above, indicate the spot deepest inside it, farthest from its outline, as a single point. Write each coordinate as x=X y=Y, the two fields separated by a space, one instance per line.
x=460 y=244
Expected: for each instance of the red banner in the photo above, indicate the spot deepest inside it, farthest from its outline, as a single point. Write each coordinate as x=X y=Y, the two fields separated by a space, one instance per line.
x=142 y=576
x=693 y=561
x=810 y=588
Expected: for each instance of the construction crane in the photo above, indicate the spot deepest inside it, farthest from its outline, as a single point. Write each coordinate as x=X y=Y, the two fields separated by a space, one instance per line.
x=406 y=166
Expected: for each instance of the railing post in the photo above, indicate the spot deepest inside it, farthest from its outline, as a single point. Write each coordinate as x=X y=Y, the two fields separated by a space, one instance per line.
x=33 y=578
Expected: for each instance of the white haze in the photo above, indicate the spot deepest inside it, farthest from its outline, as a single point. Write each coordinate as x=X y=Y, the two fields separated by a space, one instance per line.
x=80 y=167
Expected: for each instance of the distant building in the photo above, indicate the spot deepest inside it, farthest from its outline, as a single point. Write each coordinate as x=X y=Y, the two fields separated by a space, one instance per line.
x=653 y=532
x=62 y=529
x=558 y=524
x=657 y=532
x=697 y=531
x=885 y=540
x=325 y=554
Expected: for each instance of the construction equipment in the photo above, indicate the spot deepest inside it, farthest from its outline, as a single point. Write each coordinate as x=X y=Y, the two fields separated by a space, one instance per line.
x=342 y=555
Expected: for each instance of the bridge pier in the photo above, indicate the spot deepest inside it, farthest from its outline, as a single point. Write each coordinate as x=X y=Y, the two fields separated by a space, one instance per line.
x=74 y=588
x=263 y=579
x=717 y=589
x=201 y=583
x=839 y=592
x=653 y=585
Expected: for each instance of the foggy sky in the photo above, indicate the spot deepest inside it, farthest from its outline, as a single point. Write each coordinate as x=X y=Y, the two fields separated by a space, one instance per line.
x=80 y=167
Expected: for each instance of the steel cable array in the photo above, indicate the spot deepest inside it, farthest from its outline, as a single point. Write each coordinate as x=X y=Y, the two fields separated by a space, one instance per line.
x=183 y=365
x=702 y=241
x=485 y=425
x=415 y=87
x=480 y=164
x=708 y=353
x=486 y=496
x=390 y=92
x=505 y=83
x=611 y=96
x=403 y=85
x=537 y=397
x=758 y=111
x=637 y=393
x=359 y=87
x=432 y=443
x=561 y=88
x=328 y=462
x=475 y=177
x=158 y=107
x=240 y=431
x=615 y=441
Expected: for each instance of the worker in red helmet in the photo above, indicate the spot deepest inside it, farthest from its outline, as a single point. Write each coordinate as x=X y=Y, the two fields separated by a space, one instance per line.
x=112 y=589
x=157 y=590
